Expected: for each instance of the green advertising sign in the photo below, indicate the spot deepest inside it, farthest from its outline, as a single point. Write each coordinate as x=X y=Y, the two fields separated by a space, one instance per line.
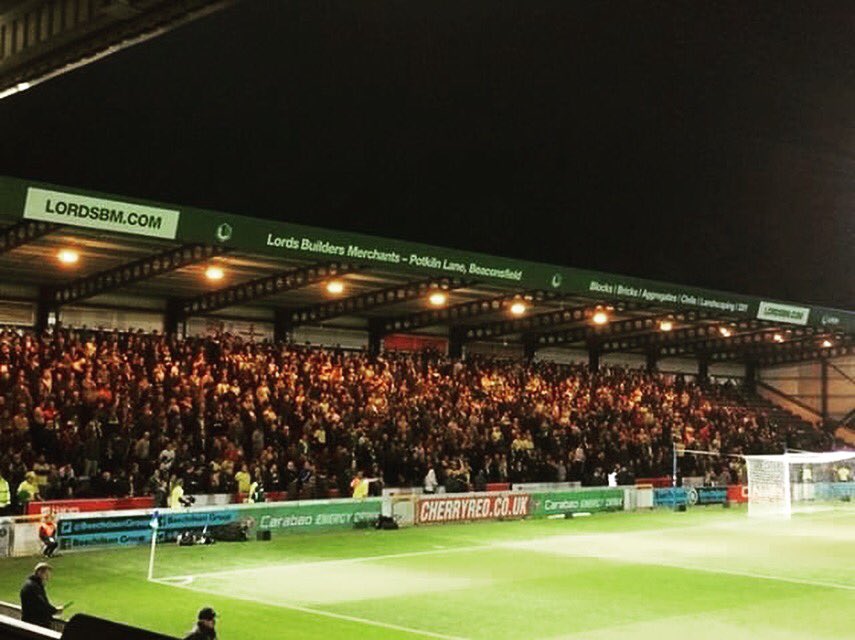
x=98 y=213
x=556 y=502
x=314 y=516
x=63 y=205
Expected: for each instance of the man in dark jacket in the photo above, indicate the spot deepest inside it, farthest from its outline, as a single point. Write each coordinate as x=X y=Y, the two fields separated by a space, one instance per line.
x=204 y=629
x=35 y=607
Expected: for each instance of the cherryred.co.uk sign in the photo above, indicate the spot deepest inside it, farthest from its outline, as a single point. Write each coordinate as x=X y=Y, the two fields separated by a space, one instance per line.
x=449 y=508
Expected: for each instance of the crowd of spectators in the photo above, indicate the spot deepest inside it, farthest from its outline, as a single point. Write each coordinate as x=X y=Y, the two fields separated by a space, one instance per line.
x=128 y=414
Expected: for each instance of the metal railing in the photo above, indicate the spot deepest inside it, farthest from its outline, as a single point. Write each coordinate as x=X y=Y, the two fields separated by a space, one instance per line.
x=13 y=612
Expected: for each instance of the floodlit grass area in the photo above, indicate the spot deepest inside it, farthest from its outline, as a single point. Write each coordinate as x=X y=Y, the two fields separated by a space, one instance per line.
x=707 y=573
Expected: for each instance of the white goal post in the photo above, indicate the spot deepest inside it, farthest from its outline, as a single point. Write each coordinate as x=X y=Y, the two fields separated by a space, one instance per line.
x=780 y=484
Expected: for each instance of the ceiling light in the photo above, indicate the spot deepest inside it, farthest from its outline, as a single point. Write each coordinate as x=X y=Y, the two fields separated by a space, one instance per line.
x=600 y=317
x=68 y=256
x=335 y=287
x=438 y=298
x=214 y=273
x=518 y=308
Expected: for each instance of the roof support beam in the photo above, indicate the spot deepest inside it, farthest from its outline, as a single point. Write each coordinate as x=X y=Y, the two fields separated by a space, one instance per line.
x=22 y=233
x=766 y=355
x=716 y=343
x=709 y=334
x=132 y=272
x=454 y=313
x=371 y=300
x=620 y=327
x=528 y=324
x=263 y=287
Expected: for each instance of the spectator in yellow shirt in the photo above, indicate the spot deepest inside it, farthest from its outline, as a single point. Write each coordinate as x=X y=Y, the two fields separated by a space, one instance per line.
x=243 y=480
x=28 y=491
x=359 y=486
x=176 y=495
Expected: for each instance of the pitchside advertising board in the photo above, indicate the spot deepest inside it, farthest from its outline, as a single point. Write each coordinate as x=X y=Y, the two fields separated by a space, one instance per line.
x=469 y=507
x=129 y=528
x=88 y=505
x=514 y=505
x=553 y=503
x=675 y=496
x=106 y=530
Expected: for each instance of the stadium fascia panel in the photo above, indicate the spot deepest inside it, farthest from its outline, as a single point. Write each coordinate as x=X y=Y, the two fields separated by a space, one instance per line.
x=136 y=271
x=374 y=299
x=292 y=241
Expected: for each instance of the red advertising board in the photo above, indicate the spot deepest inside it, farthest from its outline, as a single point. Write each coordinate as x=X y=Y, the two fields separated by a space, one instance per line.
x=662 y=482
x=97 y=504
x=737 y=493
x=451 y=508
x=406 y=342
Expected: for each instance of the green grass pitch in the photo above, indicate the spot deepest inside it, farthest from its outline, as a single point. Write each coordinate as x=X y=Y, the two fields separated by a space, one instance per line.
x=709 y=573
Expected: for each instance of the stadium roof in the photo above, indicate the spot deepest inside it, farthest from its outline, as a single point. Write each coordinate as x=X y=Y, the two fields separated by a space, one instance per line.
x=40 y=39
x=273 y=270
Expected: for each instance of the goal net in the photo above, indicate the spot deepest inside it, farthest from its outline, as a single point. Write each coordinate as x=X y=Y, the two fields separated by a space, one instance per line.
x=778 y=485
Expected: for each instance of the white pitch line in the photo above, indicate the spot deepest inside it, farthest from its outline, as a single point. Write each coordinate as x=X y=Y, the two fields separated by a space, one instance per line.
x=318 y=612
x=759 y=576
x=407 y=554
x=333 y=563
x=689 y=567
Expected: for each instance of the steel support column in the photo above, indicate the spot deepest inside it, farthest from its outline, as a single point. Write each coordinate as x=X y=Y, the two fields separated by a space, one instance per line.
x=823 y=389
x=594 y=352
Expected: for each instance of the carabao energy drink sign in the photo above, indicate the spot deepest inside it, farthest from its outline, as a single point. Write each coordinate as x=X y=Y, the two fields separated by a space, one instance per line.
x=591 y=500
x=314 y=516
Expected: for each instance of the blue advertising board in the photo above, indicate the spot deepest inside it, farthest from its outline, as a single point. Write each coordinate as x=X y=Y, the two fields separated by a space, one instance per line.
x=669 y=497
x=74 y=533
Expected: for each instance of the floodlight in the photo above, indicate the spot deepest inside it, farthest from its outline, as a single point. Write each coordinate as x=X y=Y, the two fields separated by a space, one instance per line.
x=68 y=256
x=214 y=273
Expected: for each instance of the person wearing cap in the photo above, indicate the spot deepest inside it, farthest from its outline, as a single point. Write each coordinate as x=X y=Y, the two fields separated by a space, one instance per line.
x=204 y=629
x=35 y=606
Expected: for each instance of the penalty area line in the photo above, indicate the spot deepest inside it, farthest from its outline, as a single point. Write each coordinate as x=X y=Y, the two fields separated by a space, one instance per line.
x=313 y=611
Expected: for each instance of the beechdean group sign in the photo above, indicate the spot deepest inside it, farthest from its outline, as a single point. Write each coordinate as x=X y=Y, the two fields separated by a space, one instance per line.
x=97 y=213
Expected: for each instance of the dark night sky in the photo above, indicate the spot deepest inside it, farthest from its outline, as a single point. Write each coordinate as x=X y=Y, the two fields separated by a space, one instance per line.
x=704 y=143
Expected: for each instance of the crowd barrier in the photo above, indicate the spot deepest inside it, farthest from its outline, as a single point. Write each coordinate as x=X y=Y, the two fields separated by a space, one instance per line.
x=84 y=529
x=14 y=629
x=147 y=502
x=88 y=505
x=13 y=611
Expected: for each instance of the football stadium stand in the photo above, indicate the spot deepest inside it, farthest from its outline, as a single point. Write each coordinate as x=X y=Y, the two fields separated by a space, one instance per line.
x=154 y=356
x=146 y=343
